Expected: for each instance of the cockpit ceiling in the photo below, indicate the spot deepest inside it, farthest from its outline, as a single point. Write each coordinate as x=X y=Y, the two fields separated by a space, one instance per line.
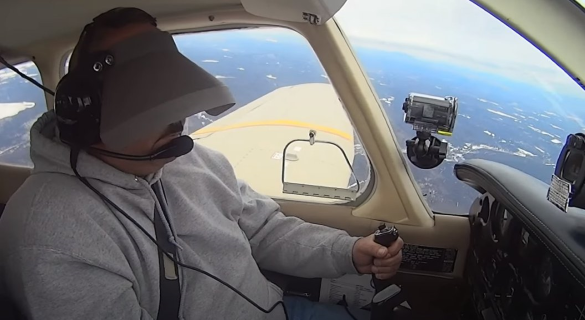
x=25 y=22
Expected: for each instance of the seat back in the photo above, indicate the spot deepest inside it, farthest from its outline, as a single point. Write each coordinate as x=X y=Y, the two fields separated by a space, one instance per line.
x=9 y=310
x=11 y=178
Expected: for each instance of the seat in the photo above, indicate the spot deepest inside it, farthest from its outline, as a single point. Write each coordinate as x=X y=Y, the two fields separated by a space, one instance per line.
x=11 y=179
x=8 y=309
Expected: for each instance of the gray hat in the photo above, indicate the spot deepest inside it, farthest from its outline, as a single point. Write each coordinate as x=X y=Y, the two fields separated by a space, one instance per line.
x=152 y=85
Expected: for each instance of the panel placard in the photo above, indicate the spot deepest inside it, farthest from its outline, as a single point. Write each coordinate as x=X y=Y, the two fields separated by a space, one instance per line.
x=432 y=259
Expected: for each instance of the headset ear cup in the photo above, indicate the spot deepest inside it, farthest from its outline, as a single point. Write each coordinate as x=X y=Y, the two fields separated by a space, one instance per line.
x=78 y=109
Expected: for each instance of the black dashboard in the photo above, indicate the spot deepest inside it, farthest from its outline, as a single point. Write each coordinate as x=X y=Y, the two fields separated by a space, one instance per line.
x=528 y=257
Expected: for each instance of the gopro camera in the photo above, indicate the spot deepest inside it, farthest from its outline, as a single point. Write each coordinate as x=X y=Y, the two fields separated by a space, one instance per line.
x=430 y=114
x=566 y=188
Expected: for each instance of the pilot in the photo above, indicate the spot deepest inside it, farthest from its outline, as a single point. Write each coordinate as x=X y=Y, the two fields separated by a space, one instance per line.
x=123 y=217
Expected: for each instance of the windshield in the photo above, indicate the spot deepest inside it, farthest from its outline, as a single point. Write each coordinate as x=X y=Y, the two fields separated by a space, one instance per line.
x=515 y=105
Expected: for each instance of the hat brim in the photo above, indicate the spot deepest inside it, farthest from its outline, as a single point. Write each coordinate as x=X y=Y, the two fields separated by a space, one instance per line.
x=143 y=95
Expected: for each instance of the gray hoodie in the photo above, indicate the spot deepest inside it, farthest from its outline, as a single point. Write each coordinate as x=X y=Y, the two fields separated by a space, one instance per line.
x=65 y=254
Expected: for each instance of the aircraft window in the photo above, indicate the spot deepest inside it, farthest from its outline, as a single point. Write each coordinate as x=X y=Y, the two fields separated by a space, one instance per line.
x=282 y=93
x=515 y=105
x=21 y=103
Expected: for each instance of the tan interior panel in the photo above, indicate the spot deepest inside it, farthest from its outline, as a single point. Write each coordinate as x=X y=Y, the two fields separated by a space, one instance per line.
x=449 y=232
x=11 y=177
x=58 y=18
x=561 y=35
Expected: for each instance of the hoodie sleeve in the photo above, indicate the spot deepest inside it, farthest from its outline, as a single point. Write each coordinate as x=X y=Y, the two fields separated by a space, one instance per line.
x=52 y=285
x=290 y=245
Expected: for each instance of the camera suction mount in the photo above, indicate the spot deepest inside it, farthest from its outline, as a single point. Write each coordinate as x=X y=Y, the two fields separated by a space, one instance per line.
x=425 y=150
x=567 y=186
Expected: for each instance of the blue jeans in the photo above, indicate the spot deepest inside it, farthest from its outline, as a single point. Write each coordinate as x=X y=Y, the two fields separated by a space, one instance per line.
x=303 y=309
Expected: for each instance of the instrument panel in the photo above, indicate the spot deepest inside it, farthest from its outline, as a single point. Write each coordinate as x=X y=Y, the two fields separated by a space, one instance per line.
x=512 y=273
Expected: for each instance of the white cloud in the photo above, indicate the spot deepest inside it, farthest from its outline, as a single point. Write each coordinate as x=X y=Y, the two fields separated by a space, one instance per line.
x=524 y=153
x=487 y=101
x=455 y=31
x=556 y=127
x=502 y=114
x=541 y=132
x=11 y=109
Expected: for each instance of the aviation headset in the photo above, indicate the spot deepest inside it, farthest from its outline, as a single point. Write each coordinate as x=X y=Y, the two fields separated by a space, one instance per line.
x=78 y=98
x=78 y=110
x=78 y=95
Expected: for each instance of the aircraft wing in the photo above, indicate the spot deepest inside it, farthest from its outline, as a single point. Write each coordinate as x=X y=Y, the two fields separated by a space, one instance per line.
x=253 y=138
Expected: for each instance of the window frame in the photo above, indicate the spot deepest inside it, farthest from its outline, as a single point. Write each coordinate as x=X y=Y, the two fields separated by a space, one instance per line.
x=366 y=189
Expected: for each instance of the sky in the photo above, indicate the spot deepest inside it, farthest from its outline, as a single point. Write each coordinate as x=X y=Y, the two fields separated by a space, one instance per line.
x=455 y=31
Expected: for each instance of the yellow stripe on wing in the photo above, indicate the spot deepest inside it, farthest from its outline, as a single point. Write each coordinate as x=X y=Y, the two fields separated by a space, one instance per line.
x=287 y=123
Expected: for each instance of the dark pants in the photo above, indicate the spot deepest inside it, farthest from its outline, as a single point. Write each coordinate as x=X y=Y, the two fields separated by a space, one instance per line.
x=303 y=309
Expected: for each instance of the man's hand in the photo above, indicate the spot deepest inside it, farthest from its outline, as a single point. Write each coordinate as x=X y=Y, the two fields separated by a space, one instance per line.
x=370 y=257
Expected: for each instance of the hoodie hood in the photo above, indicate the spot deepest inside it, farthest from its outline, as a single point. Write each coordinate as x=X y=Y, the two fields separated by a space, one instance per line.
x=50 y=155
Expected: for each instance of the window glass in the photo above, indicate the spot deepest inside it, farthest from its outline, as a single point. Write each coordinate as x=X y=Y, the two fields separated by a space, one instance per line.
x=515 y=105
x=282 y=93
x=21 y=103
